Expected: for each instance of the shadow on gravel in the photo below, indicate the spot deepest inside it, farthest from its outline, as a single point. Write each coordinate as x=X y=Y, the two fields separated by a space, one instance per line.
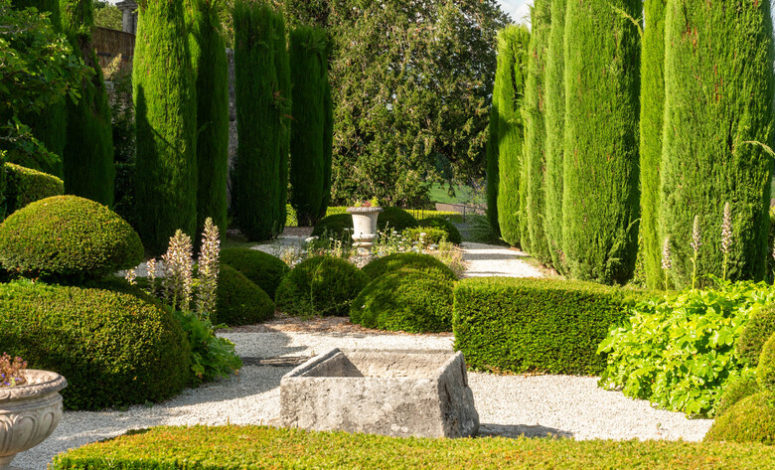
x=517 y=430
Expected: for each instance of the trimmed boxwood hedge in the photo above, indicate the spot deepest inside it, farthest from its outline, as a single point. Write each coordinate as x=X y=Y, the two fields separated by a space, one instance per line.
x=255 y=447
x=394 y=218
x=397 y=261
x=322 y=285
x=68 y=237
x=553 y=326
x=757 y=331
x=406 y=300
x=337 y=226
x=114 y=348
x=453 y=234
x=239 y=300
x=262 y=268
x=752 y=419
x=24 y=186
x=736 y=390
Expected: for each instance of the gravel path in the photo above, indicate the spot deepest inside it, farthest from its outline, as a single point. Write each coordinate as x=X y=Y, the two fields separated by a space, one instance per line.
x=491 y=260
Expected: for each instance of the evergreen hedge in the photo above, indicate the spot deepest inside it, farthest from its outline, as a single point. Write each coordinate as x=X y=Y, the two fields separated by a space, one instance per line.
x=492 y=166
x=209 y=63
x=265 y=270
x=507 y=98
x=718 y=101
x=164 y=93
x=600 y=193
x=239 y=300
x=24 y=186
x=88 y=153
x=284 y=101
x=328 y=145
x=534 y=110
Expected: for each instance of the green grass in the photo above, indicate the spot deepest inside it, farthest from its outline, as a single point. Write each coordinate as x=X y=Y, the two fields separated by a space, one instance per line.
x=463 y=195
x=253 y=447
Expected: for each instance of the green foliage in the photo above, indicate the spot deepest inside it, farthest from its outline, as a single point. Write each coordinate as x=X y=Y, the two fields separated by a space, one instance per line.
x=425 y=235
x=336 y=226
x=600 y=186
x=736 y=389
x=403 y=261
x=23 y=148
x=211 y=357
x=124 y=145
x=285 y=96
x=25 y=186
x=708 y=159
x=652 y=112
x=678 y=352
x=322 y=285
x=67 y=237
x=453 y=234
x=534 y=110
x=757 y=331
x=492 y=166
x=208 y=60
x=554 y=116
x=308 y=53
x=394 y=218
x=165 y=117
x=262 y=108
x=114 y=349
x=750 y=420
x=265 y=270
x=765 y=371
x=239 y=300
x=107 y=15
x=328 y=146
x=522 y=325
x=406 y=300
x=508 y=96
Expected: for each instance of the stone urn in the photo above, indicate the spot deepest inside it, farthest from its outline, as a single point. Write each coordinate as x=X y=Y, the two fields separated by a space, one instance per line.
x=364 y=228
x=29 y=413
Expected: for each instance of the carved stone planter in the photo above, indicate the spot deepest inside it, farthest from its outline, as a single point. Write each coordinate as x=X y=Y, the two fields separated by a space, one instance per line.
x=29 y=413
x=364 y=228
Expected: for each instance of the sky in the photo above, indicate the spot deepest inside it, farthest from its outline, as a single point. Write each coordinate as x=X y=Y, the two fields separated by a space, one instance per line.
x=518 y=9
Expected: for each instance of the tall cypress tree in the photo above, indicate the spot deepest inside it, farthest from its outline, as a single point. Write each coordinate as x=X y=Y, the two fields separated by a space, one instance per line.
x=309 y=63
x=535 y=129
x=164 y=92
x=492 y=168
x=328 y=146
x=283 y=67
x=508 y=94
x=555 y=134
x=88 y=153
x=600 y=196
x=718 y=101
x=209 y=63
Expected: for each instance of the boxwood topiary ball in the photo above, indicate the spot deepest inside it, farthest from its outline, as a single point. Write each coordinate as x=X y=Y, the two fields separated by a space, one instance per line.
x=453 y=234
x=262 y=268
x=337 y=226
x=757 y=331
x=66 y=237
x=394 y=218
x=765 y=372
x=737 y=389
x=239 y=300
x=322 y=285
x=752 y=419
x=406 y=300
x=417 y=261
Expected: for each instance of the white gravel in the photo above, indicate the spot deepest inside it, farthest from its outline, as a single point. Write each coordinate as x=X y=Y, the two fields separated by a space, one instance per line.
x=490 y=260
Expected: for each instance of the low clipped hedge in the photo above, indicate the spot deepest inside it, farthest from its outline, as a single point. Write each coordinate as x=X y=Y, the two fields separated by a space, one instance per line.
x=257 y=447
x=426 y=235
x=752 y=419
x=66 y=237
x=453 y=234
x=521 y=325
x=262 y=268
x=337 y=226
x=757 y=331
x=25 y=186
x=417 y=261
x=406 y=300
x=113 y=348
x=239 y=300
x=737 y=389
x=765 y=371
x=322 y=285
x=395 y=218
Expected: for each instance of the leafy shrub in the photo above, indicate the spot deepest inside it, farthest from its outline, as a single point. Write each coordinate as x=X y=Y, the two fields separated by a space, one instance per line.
x=67 y=237
x=737 y=389
x=406 y=300
x=24 y=186
x=416 y=261
x=752 y=419
x=757 y=331
x=394 y=218
x=322 y=285
x=211 y=357
x=678 y=352
x=453 y=234
x=337 y=226
x=261 y=268
x=115 y=349
x=239 y=300
x=425 y=235
x=521 y=325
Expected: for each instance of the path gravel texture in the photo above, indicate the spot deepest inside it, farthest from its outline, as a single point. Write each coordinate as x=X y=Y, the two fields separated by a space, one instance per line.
x=491 y=260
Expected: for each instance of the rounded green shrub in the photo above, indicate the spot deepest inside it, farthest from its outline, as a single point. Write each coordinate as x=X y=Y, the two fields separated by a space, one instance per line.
x=322 y=285
x=757 y=331
x=25 y=185
x=765 y=372
x=426 y=235
x=239 y=300
x=415 y=261
x=453 y=234
x=261 y=268
x=68 y=237
x=337 y=226
x=395 y=218
x=735 y=390
x=406 y=300
x=115 y=349
x=752 y=419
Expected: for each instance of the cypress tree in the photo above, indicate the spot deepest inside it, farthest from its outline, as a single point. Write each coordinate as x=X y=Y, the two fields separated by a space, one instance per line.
x=260 y=115
x=209 y=63
x=88 y=153
x=283 y=66
x=600 y=196
x=555 y=134
x=535 y=129
x=492 y=168
x=164 y=92
x=328 y=146
x=718 y=101
x=308 y=47
x=508 y=94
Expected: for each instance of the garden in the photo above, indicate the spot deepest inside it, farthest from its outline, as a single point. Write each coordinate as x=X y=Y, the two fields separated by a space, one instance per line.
x=228 y=254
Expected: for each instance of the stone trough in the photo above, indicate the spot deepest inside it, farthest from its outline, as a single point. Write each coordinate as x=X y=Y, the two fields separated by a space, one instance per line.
x=393 y=393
